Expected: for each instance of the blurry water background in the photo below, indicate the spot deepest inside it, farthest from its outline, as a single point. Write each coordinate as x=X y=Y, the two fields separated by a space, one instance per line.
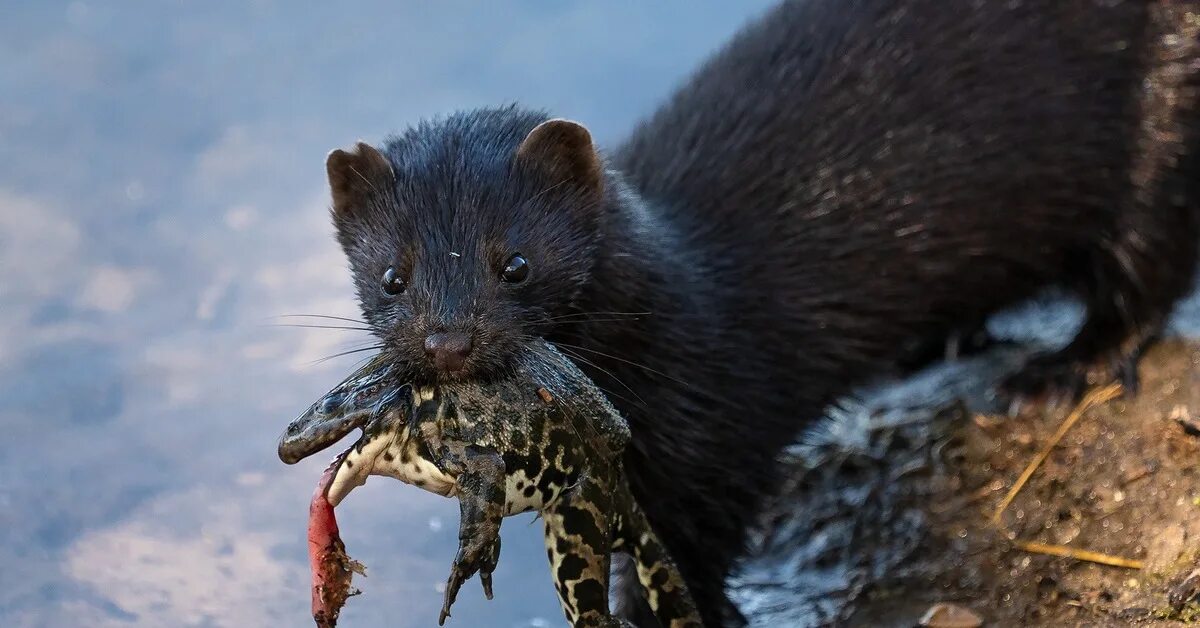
x=162 y=198
x=163 y=203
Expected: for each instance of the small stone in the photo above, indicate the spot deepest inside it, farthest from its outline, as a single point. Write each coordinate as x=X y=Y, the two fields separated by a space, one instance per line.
x=947 y=615
x=1187 y=590
x=1064 y=534
x=1181 y=415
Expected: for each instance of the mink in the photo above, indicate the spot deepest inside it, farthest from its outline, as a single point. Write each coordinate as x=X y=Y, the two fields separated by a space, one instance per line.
x=843 y=179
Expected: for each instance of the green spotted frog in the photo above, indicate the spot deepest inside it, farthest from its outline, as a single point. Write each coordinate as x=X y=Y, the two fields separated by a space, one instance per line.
x=542 y=439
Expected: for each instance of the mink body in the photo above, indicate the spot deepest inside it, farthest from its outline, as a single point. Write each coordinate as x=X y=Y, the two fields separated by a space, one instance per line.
x=843 y=178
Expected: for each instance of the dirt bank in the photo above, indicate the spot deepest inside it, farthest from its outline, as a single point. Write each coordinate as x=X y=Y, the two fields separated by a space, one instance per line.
x=890 y=508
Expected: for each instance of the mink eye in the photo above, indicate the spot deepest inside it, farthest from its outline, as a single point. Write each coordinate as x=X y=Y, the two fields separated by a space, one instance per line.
x=516 y=270
x=392 y=283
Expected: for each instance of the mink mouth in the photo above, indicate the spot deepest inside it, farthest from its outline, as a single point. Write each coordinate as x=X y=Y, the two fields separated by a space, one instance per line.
x=379 y=399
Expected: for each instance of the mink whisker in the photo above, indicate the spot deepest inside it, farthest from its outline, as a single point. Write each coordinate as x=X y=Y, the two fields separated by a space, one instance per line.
x=629 y=362
x=575 y=356
x=321 y=327
x=338 y=355
x=336 y=318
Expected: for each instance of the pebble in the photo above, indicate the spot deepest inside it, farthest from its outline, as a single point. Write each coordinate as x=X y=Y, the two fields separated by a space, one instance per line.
x=1188 y=590
x=1189 y=423
x=947 y=615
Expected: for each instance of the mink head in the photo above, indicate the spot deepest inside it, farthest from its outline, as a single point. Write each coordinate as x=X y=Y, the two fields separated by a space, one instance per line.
x=467 y=235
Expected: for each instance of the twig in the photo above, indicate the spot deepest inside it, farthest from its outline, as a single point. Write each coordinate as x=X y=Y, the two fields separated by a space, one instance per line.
x=1094 y=398
x=1078 y=554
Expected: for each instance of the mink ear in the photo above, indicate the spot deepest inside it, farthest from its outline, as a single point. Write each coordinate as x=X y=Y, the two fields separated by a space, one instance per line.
x=563 y=149
x=355 y=175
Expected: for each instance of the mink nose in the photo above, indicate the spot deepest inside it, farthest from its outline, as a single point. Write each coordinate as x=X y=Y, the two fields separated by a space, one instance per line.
x=448 y=350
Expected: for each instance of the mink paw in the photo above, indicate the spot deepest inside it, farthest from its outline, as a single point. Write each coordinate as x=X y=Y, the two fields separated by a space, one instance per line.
x=1054 y=378
x=1046 y=378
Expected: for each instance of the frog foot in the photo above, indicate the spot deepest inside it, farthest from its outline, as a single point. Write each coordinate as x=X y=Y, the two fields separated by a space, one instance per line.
x=476 y=553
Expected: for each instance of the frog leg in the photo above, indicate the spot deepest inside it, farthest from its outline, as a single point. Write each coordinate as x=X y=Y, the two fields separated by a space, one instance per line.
x=666 y=592
x=579 y=536
x=480 y=491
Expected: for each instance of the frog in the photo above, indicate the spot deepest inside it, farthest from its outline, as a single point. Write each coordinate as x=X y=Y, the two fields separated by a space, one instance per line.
x=541 y=439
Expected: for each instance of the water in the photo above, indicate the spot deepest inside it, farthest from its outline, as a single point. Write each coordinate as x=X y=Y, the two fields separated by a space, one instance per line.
x=161 y=200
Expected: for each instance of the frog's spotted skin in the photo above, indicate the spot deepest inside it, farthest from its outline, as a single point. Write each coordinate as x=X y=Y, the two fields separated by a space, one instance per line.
x=543 y=440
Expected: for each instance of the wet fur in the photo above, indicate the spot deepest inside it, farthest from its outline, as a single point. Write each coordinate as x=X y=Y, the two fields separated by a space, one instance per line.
x=457 y=190
x=841 y=179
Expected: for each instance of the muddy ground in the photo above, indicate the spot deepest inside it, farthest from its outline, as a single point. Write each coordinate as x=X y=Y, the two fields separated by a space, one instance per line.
x=889 y=509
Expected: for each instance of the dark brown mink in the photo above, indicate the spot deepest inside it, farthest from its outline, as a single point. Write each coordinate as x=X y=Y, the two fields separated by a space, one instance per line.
x=841 y=179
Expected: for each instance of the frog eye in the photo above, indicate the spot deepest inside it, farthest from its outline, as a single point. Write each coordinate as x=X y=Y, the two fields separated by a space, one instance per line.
x=331 y=403
x=392 y=283
x=515 y=270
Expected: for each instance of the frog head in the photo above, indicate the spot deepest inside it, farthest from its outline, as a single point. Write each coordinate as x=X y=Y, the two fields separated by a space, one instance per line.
x=368 y=393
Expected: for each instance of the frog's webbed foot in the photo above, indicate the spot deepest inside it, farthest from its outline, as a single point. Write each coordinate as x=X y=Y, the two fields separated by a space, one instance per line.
x=480 y=490
x=473 y=555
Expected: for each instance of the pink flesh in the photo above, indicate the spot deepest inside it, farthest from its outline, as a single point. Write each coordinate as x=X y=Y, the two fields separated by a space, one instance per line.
x=331 y=567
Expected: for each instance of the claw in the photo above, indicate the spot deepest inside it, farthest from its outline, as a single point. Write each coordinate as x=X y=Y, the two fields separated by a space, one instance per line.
x=488 y=565
x=1047 y=381
x=467 y=562
x=453 y=584
x=485 y=579
x=1125 y=371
